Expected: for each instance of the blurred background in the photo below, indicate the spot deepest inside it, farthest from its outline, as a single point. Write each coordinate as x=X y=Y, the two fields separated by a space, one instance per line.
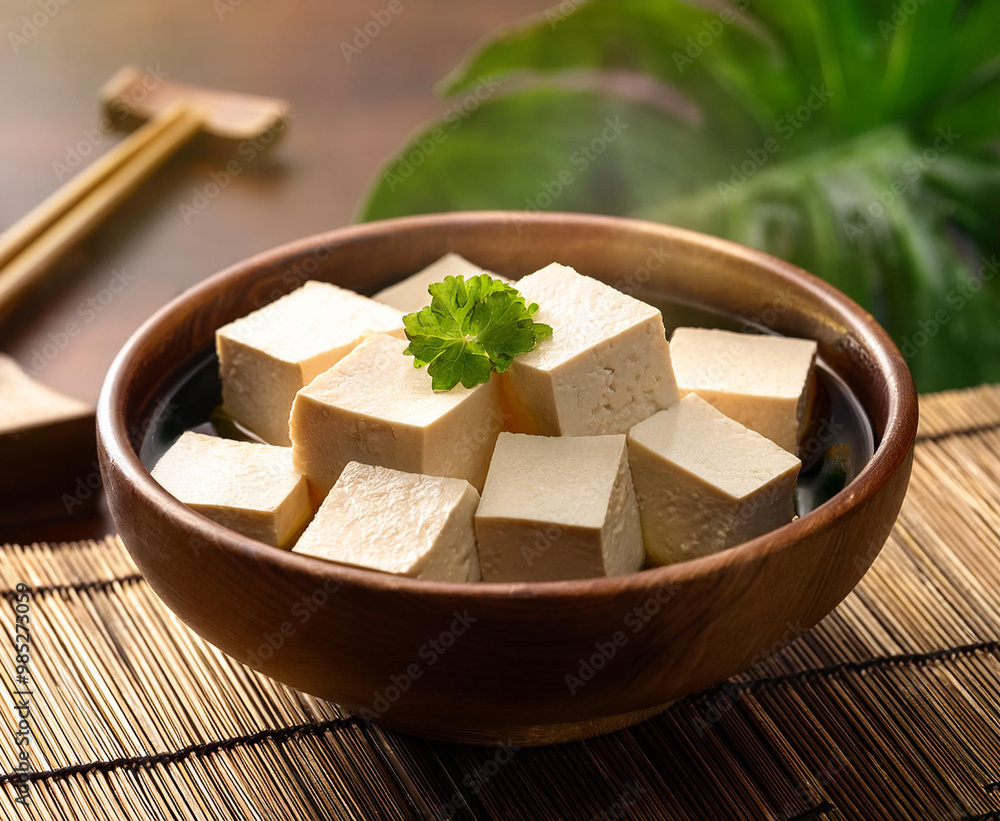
x=857 y=139
x=347 y=118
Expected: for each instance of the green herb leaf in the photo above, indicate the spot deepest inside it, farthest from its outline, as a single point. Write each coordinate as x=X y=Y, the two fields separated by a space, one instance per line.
x=471 y=328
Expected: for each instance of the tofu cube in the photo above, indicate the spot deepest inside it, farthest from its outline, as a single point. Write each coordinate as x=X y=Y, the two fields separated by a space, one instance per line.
x=375 y=407
x=402 y=523
x=763 y=382
x=411 y=294
x=245 y=486
x=705 y=482
x=606 y=367
x=558 y=508
x=268 y=355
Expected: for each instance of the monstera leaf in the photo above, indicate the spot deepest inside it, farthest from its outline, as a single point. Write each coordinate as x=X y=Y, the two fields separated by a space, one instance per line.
x=858 y=139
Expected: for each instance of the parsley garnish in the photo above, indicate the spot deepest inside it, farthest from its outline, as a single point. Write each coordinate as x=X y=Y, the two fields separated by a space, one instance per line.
x=471 y=328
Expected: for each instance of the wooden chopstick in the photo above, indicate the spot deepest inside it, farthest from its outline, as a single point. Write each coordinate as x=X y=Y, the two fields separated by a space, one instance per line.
x=32 y=245
x=26 y=230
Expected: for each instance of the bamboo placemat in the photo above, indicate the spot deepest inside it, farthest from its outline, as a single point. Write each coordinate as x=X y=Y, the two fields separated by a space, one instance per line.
x=889 y=709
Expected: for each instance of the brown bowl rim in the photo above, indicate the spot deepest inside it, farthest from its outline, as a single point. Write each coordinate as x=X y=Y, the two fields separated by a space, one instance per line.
x=890 y=453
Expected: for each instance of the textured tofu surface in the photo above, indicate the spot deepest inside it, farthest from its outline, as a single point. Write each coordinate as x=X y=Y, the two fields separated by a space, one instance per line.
x=248 y=487
x=375 y=407
x=606 y=367
x=403 y=523
x=379 y=380
x=558 y=508
x=310 y=321
x=268 y=355
x=27 y=403
x=759 y=380
x=709 y=445
x=551 y=478
x=582 y=308
x=704 y=482
x=411 y=294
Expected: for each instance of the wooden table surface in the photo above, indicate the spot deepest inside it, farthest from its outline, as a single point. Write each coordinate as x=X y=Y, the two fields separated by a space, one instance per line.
x=348 y=116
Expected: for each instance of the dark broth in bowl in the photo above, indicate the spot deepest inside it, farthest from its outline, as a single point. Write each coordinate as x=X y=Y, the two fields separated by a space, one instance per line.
x=837 y=444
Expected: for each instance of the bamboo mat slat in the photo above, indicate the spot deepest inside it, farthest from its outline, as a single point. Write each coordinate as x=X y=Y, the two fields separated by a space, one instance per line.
x=889 y=709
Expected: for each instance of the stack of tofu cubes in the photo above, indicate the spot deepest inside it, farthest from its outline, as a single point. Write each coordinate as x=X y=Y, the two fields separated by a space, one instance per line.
x=603 y=450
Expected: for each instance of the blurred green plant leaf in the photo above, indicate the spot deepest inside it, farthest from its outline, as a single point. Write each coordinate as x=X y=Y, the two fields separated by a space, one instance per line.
x=858 y=139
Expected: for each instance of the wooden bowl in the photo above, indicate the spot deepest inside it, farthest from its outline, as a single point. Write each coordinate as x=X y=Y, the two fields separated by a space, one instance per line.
x=497 y=663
